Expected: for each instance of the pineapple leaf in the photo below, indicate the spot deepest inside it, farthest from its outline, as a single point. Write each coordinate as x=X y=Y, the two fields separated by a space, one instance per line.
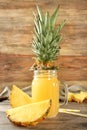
x=60 y=38
x=40 y=27
x=58 y=29
x=48 y=37
x=40 y=13
x=36 y=27
x=54 y=17
x=46 y=19
x=47 y=22
x=61 y=25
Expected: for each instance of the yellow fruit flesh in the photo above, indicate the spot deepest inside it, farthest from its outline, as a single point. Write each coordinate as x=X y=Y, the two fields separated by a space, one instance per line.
x=18 y=97
x=29 y=114
x=78 y=97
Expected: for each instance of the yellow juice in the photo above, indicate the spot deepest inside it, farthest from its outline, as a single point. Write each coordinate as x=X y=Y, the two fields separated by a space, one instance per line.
x=46 y=86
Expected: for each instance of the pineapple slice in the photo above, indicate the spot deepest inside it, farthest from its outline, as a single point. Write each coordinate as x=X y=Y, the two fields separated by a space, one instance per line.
x=30 y=114
x=18 y=97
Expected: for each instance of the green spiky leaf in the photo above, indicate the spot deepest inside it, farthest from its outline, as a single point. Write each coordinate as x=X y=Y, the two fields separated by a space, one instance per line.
x=40 y=13
x=54 y=17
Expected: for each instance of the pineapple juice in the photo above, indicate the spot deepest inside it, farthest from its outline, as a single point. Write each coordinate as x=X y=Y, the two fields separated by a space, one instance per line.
x=46 y=86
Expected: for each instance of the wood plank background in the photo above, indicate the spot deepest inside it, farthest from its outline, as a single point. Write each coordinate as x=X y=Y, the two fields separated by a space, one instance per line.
x=16 y=32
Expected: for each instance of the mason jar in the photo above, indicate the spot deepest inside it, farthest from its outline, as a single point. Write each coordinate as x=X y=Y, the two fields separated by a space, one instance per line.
x=45 y=85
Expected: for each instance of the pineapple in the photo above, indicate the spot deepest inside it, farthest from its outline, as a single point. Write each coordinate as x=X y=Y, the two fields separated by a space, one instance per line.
x=46 y=41
x=18 y=97
x=30 y=114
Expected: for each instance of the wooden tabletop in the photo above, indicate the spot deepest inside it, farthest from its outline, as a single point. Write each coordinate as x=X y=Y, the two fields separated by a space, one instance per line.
x=61 y=122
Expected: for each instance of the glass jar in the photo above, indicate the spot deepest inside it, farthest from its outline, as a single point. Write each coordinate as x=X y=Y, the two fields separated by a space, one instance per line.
x=45 y=85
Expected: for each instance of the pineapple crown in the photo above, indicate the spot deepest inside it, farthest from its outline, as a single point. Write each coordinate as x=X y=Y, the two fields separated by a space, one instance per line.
x=47 y=38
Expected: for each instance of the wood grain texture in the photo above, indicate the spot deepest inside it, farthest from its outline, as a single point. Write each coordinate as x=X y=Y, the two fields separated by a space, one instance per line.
x=15 y=68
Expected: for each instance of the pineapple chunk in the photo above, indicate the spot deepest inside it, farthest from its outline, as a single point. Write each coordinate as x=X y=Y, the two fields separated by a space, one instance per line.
x=80 y=97
x=30 y=114
x=18 y=97
x=77 y=97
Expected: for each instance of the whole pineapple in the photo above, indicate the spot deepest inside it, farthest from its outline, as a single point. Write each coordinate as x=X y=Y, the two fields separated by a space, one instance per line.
x=46 y=42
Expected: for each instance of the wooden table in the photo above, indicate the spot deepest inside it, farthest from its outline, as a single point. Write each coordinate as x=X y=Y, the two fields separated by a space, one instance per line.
x=61 y=122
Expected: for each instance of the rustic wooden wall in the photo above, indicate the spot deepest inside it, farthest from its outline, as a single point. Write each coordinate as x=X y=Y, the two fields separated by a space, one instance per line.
x=16 y=30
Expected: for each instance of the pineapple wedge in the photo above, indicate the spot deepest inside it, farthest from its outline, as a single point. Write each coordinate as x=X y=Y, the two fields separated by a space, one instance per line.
x=18 y=97
x=30 y=114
